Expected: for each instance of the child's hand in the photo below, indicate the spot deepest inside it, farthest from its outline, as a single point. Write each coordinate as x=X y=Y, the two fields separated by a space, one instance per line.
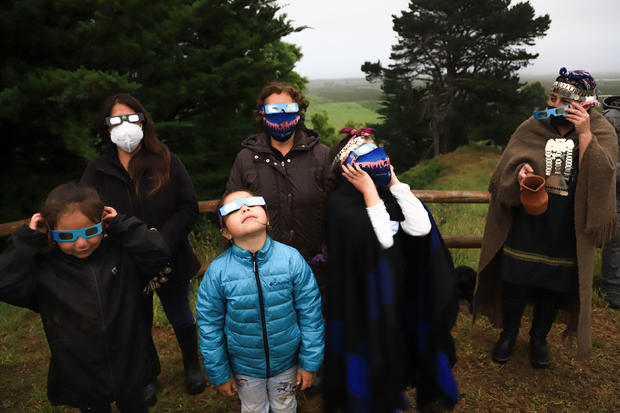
x=108 y=213
x=394 y=179
x=37 y=223
x=358 y=177
x=362 y=182
x=305 y=379
x=228 y=389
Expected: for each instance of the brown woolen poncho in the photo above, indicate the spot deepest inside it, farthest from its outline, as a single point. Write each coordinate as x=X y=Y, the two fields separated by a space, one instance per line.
x=595 y=217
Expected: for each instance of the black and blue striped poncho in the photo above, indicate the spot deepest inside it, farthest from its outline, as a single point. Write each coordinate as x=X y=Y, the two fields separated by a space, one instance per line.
x=388 y=313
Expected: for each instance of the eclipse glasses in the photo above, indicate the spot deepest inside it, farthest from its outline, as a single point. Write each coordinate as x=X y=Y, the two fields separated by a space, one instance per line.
x=362 y=150
x=69 y=236
x=235 y=205
x=117 y=120
x=280 y=107
x=544 y=114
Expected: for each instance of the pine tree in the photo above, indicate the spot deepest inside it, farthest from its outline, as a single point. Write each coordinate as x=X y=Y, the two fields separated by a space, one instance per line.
x=196 y=65
x=458 y=60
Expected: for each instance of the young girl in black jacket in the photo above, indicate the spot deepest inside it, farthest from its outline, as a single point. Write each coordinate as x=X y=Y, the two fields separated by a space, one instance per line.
x=87 y=285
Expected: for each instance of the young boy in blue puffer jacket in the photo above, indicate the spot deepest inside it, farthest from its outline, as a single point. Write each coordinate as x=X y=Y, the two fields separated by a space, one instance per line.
x=259 y=313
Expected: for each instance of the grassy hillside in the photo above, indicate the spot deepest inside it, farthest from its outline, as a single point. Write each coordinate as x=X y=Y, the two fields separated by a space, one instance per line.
x=569 y=386
x=467 y=168
x=344 y=100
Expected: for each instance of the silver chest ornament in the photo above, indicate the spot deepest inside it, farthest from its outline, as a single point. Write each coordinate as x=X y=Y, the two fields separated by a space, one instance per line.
x=558 y=165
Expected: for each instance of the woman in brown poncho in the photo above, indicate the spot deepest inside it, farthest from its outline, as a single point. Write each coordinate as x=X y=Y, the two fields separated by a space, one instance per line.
x=549 y=258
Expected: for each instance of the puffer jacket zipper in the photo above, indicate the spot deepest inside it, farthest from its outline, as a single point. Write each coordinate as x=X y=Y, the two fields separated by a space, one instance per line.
x=104 y=329
x=261 y=303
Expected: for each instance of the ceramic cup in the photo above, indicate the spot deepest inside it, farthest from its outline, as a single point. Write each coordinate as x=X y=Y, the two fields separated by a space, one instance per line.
x=534 y=196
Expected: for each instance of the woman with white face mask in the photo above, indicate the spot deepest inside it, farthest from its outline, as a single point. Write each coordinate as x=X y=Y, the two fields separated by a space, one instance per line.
x=138 y=176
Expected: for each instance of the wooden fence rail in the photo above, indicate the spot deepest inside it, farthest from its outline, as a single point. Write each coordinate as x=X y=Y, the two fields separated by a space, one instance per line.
x=428 y=196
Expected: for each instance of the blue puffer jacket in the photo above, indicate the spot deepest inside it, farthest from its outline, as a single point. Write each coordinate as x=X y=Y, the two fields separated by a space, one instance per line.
x=259 y=314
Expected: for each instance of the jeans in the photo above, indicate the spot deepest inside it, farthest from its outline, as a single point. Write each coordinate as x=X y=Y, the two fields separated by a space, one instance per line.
x=259 y=395
x=175 y=302
x=176 y=305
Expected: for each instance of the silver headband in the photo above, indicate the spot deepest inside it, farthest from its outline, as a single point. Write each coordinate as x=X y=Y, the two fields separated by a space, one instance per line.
x=350 y=146
x=573 y=92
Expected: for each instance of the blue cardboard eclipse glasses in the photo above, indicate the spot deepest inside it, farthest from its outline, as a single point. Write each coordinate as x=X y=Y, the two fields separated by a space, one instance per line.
x=280 y=107
x=361 y=150
x=544 y=114
x=69 y=236
x=233 y=206
x=117 y=120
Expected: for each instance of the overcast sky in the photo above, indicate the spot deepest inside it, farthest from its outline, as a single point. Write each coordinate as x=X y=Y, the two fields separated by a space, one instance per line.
x=345 y=33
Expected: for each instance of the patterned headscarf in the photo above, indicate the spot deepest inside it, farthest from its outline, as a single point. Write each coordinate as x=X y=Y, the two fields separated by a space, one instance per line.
x=578 y=85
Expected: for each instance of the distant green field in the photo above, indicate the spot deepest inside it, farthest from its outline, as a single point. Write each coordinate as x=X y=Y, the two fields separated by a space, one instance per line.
x=341 y=112
x=344 y=100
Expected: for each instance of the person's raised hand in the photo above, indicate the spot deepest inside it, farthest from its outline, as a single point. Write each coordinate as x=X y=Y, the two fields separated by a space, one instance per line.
x=108 y=213
x=362 y=182
x=227 y=389
x=37 y=223
x=579 y=116
x=394 y=180
x=358 y=177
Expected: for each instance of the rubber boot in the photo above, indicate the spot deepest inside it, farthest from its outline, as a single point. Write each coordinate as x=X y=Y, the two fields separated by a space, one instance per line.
x=545 y=310
x=195 y=380
x=149 y=393
x=512 y=310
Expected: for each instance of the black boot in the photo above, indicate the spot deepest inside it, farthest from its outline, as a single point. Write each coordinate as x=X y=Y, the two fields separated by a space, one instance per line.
x=539 y=354
x=194 y=376
x=149 y=393
x=513 y=302
x=545 y=310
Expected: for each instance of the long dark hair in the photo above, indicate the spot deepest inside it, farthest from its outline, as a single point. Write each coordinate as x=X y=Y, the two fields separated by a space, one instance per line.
x=277 y=88
x=152 y=159
x=71 y=196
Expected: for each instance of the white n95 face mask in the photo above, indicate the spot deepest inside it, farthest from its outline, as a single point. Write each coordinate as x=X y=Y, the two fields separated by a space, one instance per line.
x=127 y=136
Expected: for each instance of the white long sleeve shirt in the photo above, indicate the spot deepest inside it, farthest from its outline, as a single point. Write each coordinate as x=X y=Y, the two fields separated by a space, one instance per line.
x=416 y=223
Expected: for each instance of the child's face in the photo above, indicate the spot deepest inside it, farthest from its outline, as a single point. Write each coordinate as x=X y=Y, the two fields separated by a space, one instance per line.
x=244 y=221
x=80 y=248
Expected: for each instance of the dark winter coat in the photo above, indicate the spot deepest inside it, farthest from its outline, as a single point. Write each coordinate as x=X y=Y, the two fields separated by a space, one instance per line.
x=172 y=210
x=92 y=309
x=292 y=186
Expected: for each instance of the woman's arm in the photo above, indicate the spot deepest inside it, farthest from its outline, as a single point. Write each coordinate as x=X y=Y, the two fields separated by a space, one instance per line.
x=146 y=246
x=178 y=226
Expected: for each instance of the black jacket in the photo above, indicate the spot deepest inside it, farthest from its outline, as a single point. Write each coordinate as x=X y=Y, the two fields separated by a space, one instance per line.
x=172 y=210
x=91 y=309
x=292 y=186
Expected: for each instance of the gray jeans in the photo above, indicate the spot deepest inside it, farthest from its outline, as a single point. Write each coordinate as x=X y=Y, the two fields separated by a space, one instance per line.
x=610 y=280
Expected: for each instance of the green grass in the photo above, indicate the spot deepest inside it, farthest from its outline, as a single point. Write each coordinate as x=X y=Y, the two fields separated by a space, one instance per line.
x=339 y=113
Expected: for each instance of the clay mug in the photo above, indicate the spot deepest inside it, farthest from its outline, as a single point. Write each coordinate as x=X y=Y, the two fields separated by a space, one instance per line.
x=534 y=196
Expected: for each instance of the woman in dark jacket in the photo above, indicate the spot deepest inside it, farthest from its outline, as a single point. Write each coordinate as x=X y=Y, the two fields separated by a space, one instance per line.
x=285 y=163
x=139 y=176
